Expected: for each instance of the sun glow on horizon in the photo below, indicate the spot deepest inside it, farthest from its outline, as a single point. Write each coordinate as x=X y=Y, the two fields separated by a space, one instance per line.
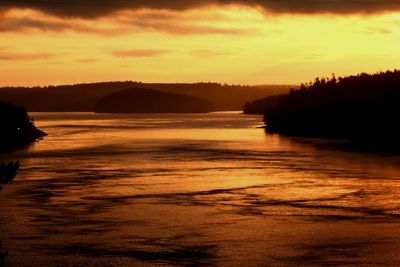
x=234 y=44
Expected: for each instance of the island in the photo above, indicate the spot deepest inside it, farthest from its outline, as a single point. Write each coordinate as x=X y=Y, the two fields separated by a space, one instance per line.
x=139 y=100
x=17 y=128
x=360 y=107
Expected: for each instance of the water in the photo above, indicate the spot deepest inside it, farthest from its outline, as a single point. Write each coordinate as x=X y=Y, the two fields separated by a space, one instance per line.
x=204 y=189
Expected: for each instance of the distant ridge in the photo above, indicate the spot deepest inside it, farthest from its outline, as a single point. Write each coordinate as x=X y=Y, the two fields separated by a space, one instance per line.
x=139 y=100
x=260 y=106
x=83 y=97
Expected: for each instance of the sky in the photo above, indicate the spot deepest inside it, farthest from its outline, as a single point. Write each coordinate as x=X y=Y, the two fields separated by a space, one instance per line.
x=228 y=41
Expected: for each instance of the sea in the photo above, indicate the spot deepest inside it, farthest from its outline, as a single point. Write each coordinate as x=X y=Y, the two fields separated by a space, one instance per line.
x=210 y=189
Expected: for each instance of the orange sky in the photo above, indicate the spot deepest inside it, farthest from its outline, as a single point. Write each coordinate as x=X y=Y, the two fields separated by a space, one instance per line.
x=232 y=44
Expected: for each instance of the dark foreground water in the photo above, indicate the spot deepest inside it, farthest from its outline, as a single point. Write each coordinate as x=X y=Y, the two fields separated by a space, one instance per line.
x=206 y=189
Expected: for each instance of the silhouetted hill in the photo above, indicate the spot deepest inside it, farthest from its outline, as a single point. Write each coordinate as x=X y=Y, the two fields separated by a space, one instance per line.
x=17 y=128
x=139 y=100
x=83 y=97
x=260 y=106
x=363 y=107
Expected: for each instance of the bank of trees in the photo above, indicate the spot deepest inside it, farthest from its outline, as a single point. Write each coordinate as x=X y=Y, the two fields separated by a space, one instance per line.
x=17 y=128
x=361 y=106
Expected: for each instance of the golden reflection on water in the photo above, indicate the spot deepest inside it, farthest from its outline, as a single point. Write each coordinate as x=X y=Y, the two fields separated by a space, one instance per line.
x=198 y=188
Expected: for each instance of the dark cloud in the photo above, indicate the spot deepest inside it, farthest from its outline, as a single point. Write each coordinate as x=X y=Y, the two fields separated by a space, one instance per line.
x=140 y=53
x=170 y=22
x=329 y=6
x=16 y=24
x=20 y=24
x=92 y=8
x=173 y=23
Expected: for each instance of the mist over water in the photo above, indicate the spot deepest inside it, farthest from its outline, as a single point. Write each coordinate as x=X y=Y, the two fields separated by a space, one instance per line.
x=195 y=189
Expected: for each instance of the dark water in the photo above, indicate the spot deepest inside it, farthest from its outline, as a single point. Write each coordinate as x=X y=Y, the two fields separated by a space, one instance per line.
x=205 y=189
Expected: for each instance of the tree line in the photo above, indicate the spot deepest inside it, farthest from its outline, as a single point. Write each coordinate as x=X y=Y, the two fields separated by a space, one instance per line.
x=362 y=106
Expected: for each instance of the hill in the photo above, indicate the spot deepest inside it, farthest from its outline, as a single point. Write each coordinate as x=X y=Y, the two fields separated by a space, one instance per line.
x=260 y=106
x=362 y=107
x=138 y=100
x=83 y=97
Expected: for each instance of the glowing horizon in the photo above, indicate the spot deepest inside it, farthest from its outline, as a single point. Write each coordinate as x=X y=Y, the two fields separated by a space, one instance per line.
x=232 y=44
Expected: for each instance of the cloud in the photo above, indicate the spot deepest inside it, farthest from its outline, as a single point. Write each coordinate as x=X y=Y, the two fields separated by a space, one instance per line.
x=140 y=53
x=20 y=24
x=328 y=6
x=176 y=23
x=170 y=22
x=91 y=8
x=180 y=28
x=87 y=60
x=40 y=22
x=6 y=55
x=378 y=30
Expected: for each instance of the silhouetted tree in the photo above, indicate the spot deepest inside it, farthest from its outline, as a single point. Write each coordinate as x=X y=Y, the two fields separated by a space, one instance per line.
x=361 y=107
x=17 y=128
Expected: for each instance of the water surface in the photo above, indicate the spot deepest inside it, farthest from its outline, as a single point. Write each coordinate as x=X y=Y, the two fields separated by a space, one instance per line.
x=195 y=189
